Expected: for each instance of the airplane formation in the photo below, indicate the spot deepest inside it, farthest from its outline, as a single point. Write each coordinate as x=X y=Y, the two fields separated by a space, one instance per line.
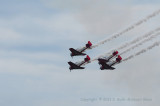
x=104 y=62
x=113 y=57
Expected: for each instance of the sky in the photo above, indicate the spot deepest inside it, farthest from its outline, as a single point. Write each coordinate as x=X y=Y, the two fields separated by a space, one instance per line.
x=35 y=37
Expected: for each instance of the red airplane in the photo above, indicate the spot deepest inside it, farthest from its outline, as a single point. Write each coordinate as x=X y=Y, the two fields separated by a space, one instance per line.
x=109 y=65
x=78 y=65
x=107 y=59
x=78 y=52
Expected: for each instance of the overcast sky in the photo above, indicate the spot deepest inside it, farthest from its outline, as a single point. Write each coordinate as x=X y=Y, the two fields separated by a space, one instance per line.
x=35 y=36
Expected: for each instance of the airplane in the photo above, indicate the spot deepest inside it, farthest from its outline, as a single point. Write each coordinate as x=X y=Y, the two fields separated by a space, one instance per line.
x=79 y=64
x=107 y=59
x=109 y=65
x=79 y=52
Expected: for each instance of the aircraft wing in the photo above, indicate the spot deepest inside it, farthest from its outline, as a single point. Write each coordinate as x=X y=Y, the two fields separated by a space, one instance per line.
x=74 y=66
x=101 y=60
x=76 y=52
x=106 y=66
x=107 y=58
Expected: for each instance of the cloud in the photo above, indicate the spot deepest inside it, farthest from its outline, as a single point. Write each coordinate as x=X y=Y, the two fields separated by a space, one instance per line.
x=104 y=17
x=49 y=30
x=42 y=77
x=8 y=34
x=97 y=16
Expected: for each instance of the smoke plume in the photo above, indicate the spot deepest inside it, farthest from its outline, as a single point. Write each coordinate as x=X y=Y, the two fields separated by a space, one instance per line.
x=114 y=36
x=141 y=43
x=133 y=42
x=142 y=51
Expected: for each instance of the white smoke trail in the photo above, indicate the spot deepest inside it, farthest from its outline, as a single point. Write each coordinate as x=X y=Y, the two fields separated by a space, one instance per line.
x=130 y=43
x=141 y=43
x=142 y=51
x=135 y=40
x=138 y=39
x=127 y=29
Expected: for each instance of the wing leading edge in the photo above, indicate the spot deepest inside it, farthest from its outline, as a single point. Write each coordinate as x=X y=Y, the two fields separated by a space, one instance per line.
x=74 y=66
x=75 y=52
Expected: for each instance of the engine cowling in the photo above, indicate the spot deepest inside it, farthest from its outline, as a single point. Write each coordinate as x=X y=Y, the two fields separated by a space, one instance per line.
x=115 y=53
x=87 y=58
x=89 y=44
x=119 y=58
